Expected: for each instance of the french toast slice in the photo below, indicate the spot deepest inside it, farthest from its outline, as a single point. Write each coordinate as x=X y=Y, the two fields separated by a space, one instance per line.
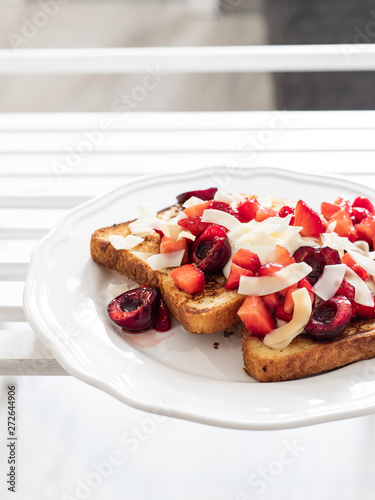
x=304 y=356
x=210 y=311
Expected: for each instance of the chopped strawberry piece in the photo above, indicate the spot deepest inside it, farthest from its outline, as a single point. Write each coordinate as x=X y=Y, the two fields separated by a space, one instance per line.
x=248 y=209
x=328 y=209
x=256 y=316
x=305 y=283
x=365 y=311
x=285 y=211
x=235 y=274
x=281 y=256
x=188 y=278
x=358 y=214
x=247 y=260
x=264 y=213
x=193 y=224
x=344 y=225
x=312 y=224
x=363 y=202
x=196 y=209
x=280 y=313
x=271 y=300
x=348 y=291
x=343 y=203
x=270 y=268
x=366 y=229
x=289 y=302
x=168 y=245
x=224 y=207
x=350 y=262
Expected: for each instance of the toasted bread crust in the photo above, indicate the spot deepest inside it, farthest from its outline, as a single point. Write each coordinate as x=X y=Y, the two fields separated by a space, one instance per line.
x=304 y=356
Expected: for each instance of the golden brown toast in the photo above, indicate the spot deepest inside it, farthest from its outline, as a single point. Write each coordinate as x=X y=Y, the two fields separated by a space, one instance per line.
x=304 y=356
x=209 y=311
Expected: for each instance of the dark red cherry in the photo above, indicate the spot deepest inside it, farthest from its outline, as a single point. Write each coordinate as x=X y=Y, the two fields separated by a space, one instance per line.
x=163 y=321
x=203 y=194
x=317 y=258
x=329 y=318
x=211 y=250
x=135 y=310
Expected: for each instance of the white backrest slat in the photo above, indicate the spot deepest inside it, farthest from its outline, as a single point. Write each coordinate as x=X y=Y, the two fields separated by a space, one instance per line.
x=158 y=61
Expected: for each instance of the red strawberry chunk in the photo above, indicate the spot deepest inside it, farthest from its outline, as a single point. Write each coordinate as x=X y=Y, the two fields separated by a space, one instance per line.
x=348 y=291
x=343 y=203
x=344 y=225
x=248 y=209
x=247 y=259
x=224 y=207
x=350 y=262
x=285 y=211
x=264 y=213
x=271 y=300
x=366 y=229
x=305 y=283
x=363 y=202
x=281 y=256
x=270 y=268
x=193 y=224
x=188 y=278
x=328 y=209
x=196 y=209
x=358 y=214
x=365 y=311
x=235 y=274
x=168 y=245
x=312 y=224
x=280 y=313
x=256 y=317
x=289 y=302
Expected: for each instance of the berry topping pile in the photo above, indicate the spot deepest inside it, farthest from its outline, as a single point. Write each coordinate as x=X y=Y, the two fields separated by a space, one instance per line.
x=299 y=270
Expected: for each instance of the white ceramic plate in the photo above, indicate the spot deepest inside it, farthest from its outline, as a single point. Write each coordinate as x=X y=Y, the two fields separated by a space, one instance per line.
x=177 y=374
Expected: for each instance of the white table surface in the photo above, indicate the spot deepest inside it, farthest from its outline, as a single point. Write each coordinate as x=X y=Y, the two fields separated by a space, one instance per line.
x=49 y=163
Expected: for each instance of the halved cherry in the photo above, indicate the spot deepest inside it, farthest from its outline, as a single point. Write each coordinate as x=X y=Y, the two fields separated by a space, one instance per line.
x=211 y=250
x=329 y=318
x=135 y=310
x=203 y=194
x=317 y=258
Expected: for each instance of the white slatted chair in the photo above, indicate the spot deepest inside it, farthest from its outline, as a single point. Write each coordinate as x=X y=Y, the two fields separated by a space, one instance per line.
x=40 y=182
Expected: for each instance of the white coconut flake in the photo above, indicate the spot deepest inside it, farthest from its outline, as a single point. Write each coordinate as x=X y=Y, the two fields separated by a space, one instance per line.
x=171 y=231
x=263 y=285
x=227 y=268
x=282 y=336
x=186 y=234
x=192 y=201
x=330 y=281
x=363 y=261
x=163 y=260
x=140 y=228
x=223 y=197
x=124 y=243
x=219 y=217
x=363 y=294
